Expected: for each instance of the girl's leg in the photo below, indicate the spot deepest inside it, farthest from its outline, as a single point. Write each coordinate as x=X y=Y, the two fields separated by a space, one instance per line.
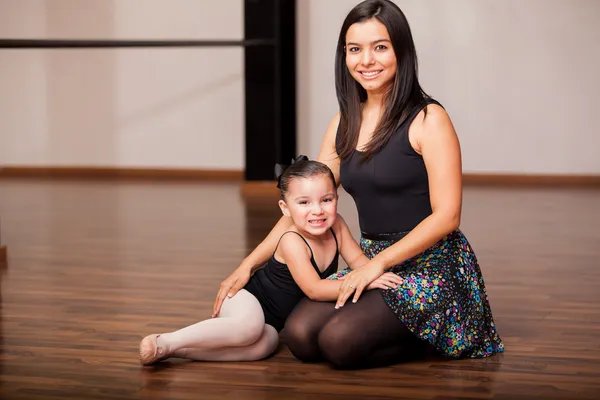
x=240 y=323
x=264 y=347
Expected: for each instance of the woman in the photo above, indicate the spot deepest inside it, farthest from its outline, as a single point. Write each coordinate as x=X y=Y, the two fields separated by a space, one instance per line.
x=395 y=151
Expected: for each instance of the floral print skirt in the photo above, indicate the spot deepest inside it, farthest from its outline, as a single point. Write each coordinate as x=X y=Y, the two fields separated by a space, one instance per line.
x=442 y=298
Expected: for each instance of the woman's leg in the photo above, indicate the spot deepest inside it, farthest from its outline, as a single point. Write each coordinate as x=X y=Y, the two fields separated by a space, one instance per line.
x=303 y=326
x=368 y=334
x=264 y=347
x=240 y=323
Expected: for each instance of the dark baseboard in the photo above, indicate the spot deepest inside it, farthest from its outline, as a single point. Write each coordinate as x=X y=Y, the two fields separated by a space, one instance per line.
x=268 y=187
x=121 y=173
x=531 y=180
x=259 y=189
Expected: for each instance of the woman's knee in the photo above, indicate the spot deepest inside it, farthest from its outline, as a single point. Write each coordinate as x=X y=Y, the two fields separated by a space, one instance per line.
x=301 y=331
x=296 y=326
x=297 y=335
x=339 y=346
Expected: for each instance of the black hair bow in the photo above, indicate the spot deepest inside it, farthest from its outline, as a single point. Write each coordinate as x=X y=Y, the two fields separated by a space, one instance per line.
x=280 y=168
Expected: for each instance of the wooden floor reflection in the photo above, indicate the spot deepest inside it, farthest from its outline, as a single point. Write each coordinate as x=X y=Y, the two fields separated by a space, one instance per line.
x=94 y=266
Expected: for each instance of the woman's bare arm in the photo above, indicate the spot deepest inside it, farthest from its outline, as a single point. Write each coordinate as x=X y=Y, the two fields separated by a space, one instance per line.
x=328 y=154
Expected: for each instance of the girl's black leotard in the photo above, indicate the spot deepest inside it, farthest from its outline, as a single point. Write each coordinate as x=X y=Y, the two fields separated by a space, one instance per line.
x=276 y=290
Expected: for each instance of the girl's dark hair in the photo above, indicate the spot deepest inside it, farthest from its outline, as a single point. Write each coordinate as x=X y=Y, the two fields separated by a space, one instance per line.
x=404 y=93
x=301 y=167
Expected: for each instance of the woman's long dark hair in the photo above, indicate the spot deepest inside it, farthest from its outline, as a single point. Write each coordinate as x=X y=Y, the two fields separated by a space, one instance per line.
x=404 y=93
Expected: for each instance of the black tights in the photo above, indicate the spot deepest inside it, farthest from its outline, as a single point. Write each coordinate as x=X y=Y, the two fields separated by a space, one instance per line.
x=365 y=334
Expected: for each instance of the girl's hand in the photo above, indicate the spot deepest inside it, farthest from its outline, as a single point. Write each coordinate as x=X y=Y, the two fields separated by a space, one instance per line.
x=357 y=281
x=389 y=280
x=230 y=286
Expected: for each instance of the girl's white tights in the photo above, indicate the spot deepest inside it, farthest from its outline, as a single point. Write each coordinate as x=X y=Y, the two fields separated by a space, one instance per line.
x=239 y=333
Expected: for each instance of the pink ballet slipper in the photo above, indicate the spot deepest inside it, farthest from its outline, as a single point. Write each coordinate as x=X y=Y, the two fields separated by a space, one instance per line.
x=150 y=352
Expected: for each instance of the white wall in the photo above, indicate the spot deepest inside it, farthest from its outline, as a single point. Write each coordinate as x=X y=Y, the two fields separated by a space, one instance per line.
x=519 y=78
x=142 y=107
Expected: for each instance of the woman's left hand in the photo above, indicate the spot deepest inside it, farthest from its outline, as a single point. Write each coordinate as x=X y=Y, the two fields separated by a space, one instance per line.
x=357 y=281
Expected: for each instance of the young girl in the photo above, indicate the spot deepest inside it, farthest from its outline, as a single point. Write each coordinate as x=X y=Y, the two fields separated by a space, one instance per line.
x=245 y=327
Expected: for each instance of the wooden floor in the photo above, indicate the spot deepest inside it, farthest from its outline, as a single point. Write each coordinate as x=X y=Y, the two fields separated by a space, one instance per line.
x=95 y=266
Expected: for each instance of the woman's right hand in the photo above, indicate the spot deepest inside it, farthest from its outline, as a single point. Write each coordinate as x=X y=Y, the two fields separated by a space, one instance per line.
x=230 y=286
